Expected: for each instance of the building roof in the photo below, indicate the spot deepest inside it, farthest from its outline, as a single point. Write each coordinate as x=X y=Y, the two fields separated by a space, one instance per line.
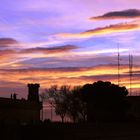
x=19 y=104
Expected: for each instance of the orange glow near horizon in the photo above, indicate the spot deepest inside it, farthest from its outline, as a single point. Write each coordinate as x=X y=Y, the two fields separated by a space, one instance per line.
x=70 y=77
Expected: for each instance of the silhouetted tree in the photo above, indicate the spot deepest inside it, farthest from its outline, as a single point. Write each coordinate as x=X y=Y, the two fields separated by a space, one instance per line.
x=77 y=108
x=62 y=101
x=105 y=101
x=58 y=99
x=67 y=102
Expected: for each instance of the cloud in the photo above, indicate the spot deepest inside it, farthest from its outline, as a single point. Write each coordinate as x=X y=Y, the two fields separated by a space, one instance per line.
x=54 y=73
x=75 y=75
x=69 y=75
x=6 y=55
x=76 y=58
x=57 y=49
x=125 y=14
x=116 y=28
x=13 y=57
x=8 y=42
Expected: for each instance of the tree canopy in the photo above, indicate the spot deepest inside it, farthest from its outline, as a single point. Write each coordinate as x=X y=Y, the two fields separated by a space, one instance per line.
x=91 y=101
x=105 y=99
x=103 y=89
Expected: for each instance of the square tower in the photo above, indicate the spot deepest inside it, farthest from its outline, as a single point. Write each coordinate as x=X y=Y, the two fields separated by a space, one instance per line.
x=33 y=92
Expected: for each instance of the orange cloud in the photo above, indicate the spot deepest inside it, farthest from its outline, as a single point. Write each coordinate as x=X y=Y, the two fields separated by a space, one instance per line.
x=6 y=55
x=117 y=28
x=16 y=80
x=70 y=76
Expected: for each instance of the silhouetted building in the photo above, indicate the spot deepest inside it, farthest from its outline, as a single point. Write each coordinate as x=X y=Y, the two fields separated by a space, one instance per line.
x=21 y=110
x=134 y=110
x=33 y=90
x=132 y=114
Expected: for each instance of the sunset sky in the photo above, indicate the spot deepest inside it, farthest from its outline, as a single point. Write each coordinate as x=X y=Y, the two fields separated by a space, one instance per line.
x=69 y=42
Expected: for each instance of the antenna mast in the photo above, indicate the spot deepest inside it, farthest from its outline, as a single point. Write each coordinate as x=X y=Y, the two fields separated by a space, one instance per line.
x=130 y=72
x=118 y=65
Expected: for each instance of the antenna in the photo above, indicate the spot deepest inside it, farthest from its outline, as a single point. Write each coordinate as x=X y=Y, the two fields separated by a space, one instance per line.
x=130 y=72
x=118 y=65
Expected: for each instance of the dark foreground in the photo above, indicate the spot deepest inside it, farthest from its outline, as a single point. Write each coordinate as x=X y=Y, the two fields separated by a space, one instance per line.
x=57 y=131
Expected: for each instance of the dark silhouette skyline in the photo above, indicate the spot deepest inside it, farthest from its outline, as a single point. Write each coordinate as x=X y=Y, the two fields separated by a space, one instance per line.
x=22 y=111
x=99 y=110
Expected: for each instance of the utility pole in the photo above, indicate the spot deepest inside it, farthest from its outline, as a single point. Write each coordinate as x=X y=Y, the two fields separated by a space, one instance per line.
x=51 y=111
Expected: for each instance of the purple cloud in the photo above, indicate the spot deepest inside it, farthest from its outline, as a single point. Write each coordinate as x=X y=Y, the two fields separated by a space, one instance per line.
x=125 y=14
x=7 y=42
x=57 y=49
